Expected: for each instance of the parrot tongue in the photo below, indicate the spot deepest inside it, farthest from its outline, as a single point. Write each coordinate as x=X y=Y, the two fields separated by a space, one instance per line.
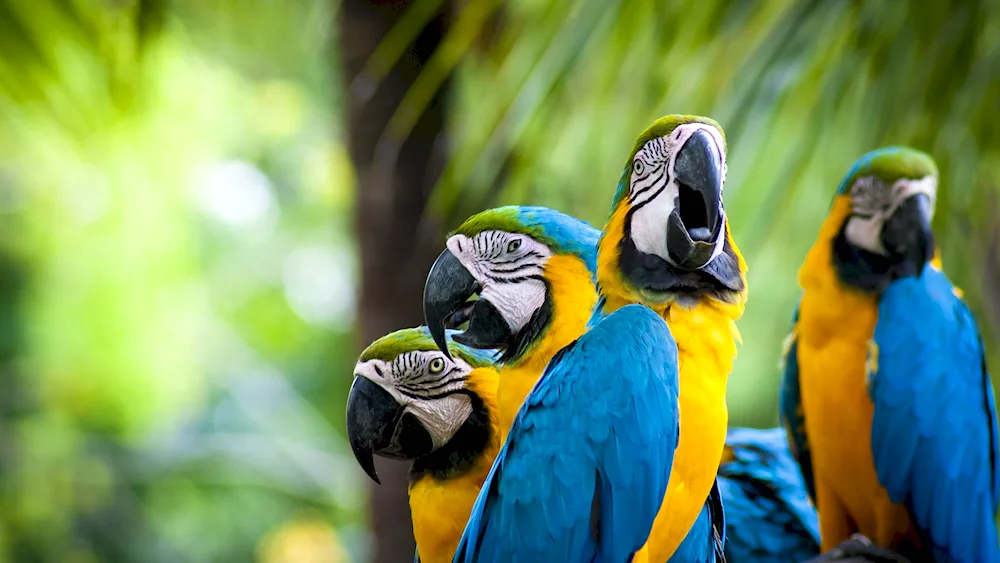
x=690 y=248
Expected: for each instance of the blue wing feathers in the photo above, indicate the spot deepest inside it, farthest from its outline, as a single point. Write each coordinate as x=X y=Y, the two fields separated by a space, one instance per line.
x=934 y=431
x=598 y=432
x=770 y=518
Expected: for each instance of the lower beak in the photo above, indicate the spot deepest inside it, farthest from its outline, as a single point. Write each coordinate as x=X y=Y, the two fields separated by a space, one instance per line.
x=446 y=293
x=907 y=233
x=695 y=225
x=377 y=424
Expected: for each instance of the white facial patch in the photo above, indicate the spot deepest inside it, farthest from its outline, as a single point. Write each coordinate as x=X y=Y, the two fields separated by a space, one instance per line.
x=873 y=201
x=653 y=189
x=426 y=395
x=508 y=268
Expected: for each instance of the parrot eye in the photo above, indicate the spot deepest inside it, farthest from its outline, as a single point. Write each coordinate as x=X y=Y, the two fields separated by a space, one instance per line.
x=513 y=245
x=638 y=166
x=436 y=365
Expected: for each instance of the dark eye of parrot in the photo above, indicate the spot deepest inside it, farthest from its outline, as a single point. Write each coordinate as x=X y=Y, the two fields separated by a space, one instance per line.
x=638 y=167
x=436 y=365
x=513 y=245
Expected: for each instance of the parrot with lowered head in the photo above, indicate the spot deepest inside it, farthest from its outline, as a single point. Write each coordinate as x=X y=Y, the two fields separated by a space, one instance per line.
x=410 y=401
x=886 y=398
x=532 y=269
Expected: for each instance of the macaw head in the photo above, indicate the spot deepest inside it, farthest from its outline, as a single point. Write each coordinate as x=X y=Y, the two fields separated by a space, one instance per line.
x=883 y=209
x=410 y=401
x=510 y=258
x=667 y=238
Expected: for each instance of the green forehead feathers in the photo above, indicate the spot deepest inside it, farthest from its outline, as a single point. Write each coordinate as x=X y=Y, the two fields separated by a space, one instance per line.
x=659 y=128
x=419 y=340
x=890 y=164
x=562 y=233
x=665 y=126
x=498 y=219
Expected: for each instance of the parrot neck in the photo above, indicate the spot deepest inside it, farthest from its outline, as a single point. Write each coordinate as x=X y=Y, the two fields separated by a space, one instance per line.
x=441 y=501
x=572 y=295
x=833 y=306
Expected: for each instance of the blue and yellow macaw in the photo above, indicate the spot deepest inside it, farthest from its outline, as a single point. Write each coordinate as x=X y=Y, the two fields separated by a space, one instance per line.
x=769 y=518
x=886 y=396
x=557 y=491
x=410 y=401
x=533 y=270
x=667 y=244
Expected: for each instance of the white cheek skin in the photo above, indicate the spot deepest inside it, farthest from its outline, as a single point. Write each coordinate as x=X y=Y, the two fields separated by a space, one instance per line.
x=649 y=223
x=648 y=228
x=442 y=417
x=517 y=302
x=461 y=246
x=866 y=233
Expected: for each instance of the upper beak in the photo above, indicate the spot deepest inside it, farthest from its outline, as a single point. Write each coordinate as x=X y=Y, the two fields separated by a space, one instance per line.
x=694 y=227
x=446 y=293
x=377 y=424
x=907 y=233
x=449 y=285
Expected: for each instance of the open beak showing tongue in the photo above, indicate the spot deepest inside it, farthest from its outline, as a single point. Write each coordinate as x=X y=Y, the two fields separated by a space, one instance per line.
x=695 y=224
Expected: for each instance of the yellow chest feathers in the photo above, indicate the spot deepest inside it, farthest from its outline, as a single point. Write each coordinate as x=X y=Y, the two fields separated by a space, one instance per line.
x=706 y=344
x=441 y=508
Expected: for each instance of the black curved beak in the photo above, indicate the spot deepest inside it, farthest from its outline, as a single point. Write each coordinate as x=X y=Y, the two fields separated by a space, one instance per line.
x=907 y=234
x=695 y=224
x=447 y=290
x=377 y=424
x=449 y=285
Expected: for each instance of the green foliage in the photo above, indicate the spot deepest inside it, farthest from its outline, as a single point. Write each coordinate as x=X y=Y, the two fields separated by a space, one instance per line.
x=173 y=214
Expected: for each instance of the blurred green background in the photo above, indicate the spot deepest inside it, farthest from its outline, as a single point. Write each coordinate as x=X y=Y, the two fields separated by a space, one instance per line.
x=208 y=207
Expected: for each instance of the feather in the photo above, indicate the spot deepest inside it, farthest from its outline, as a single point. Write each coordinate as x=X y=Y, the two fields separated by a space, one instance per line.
x=934 y=428
x=770 y=516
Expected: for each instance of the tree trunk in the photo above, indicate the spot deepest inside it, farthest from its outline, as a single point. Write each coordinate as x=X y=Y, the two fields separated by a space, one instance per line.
x=394 y=181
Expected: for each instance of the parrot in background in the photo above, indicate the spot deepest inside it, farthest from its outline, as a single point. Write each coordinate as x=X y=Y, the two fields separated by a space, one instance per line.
x=410 y=401
x=769 y=518
x=550 y=492
x=533 y=270
x=886 y=398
